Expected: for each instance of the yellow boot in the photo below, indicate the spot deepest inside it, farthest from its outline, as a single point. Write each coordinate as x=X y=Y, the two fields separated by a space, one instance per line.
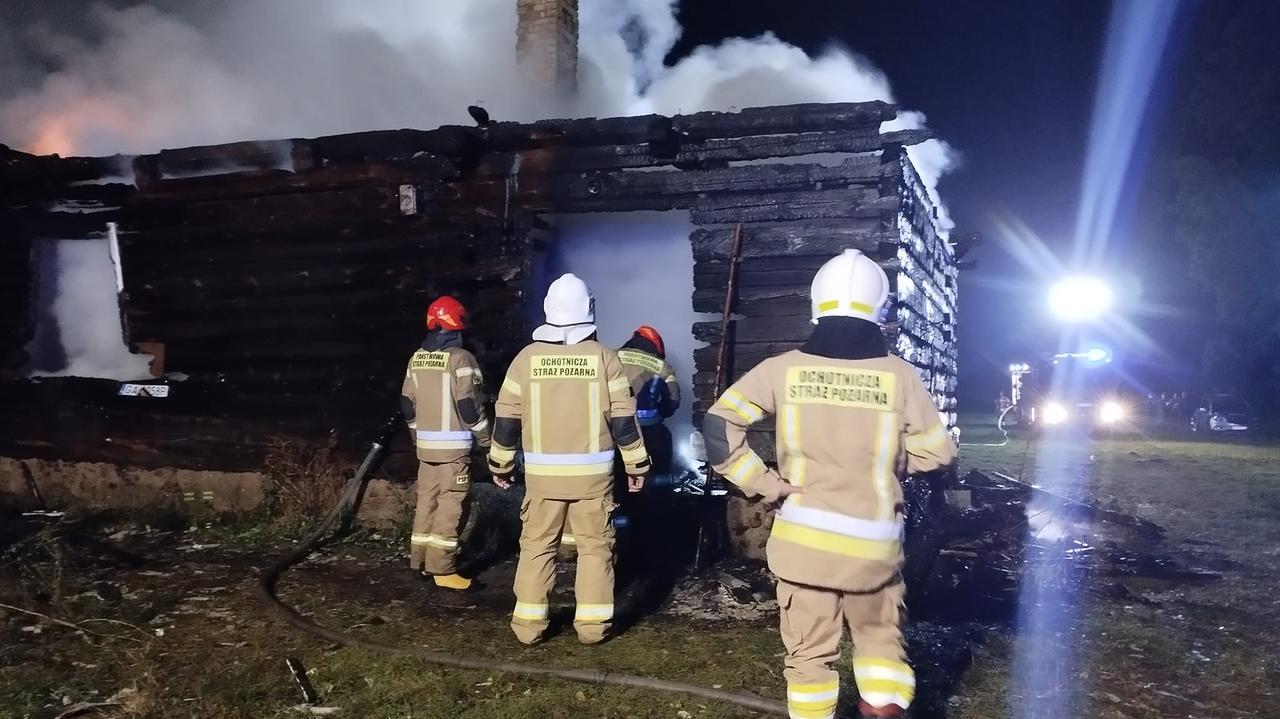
x=452 y=581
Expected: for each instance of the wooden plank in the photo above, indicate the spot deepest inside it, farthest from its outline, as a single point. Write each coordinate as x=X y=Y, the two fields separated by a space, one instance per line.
x=666 y=189
x=817 y=238
x=783 y=119
x=693 y=153
x=788 y=206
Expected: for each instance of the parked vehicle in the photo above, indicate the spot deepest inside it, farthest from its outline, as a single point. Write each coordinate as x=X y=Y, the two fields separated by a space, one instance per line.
x=1222 y=413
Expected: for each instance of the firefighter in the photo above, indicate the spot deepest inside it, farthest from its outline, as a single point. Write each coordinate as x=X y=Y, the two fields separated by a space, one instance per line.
x=851 y=421
x=442 y=400
x=644 y=359
x=657 y=395
x=567 y=402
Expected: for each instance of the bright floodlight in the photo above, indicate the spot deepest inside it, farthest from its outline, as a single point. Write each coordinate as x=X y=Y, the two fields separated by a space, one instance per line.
x=1096 y=354
x=1055 y=413
x=1079 y=298
x=1111 y=412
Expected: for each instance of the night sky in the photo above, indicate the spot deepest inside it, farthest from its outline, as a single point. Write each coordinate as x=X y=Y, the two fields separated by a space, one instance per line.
x=1010 y=84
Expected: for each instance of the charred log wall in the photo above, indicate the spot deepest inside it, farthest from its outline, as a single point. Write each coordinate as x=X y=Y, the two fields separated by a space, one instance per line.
x=286 y=280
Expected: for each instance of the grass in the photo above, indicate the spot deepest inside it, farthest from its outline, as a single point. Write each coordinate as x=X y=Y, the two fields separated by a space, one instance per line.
x=1176 y=649
x=206 y=647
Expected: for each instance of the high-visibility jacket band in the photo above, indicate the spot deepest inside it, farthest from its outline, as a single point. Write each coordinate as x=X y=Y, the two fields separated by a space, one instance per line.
x=568 y=458
x=840 y=523
x=873 y=549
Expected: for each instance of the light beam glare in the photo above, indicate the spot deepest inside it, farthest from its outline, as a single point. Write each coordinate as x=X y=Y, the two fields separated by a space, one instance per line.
x=1137 y=34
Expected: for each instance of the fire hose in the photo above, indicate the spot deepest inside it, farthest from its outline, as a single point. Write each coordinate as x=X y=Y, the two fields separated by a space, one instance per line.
x=344 y=512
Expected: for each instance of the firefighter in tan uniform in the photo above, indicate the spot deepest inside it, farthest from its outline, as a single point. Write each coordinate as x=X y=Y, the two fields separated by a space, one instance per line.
x=851 y=420
x=443 y=402
x=567 y=403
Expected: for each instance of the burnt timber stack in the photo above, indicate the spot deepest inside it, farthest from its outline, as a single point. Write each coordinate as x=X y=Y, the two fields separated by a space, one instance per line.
x=286 y=279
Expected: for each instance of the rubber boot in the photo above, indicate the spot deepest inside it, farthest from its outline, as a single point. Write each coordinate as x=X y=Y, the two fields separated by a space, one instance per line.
x=892 y=711
x=452 y=581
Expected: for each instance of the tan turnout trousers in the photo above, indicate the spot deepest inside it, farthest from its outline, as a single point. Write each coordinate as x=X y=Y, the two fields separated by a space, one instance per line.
x=544 y=521
x=812 y=621
x=437 y=519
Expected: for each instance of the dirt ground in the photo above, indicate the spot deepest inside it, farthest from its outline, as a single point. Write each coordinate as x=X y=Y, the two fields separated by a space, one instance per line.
x=157 y=615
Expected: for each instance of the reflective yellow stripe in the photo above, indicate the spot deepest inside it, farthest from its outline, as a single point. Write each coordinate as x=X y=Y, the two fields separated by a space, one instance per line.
x=593 y=613
x=791 y=440
x=568 y=539
x=446 y=403
x=881 y=663
x=464 y=372
x=813 y=688
x=619 y=384
x=535 y=416
x=874 y=549
x=903 y=677
x=512 y=386
x=480 y=426
x=928 y=441
x=635 y=455
x=436 y=540
x=568 y=470
x=530 y=611
x=746 y=469
x=593 y=417
x=501 y=455
x=827 y=711
x=886 y=686
x=420 y=538
x=882 y=463
x=855 y=306
x=745 y=409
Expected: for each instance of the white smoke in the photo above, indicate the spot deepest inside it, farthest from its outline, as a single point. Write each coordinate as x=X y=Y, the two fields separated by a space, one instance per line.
x=85 y=291
x=205 y=73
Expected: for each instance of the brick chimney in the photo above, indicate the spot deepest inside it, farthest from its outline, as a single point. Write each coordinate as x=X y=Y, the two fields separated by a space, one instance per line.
x=547 y=43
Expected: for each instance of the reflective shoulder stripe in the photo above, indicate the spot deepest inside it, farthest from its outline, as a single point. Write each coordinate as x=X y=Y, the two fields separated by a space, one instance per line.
x=840 y=523
x=745 y=409
x=618 y=384
x=822 y=540
x=512 y=386
x=930 y=440
x=464 y=372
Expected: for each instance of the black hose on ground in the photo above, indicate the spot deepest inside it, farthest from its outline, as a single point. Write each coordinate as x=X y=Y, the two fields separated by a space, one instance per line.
x=345 y=509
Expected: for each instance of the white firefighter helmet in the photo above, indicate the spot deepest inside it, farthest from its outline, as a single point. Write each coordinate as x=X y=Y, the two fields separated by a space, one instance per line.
x=849 y=285
x=570 y=310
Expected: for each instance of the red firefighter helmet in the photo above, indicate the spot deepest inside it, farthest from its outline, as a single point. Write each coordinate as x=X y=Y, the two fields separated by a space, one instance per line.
x=652 y=335
x=446 y=313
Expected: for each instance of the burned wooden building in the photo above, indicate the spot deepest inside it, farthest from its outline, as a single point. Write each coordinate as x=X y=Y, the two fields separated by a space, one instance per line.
x=285 y=281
